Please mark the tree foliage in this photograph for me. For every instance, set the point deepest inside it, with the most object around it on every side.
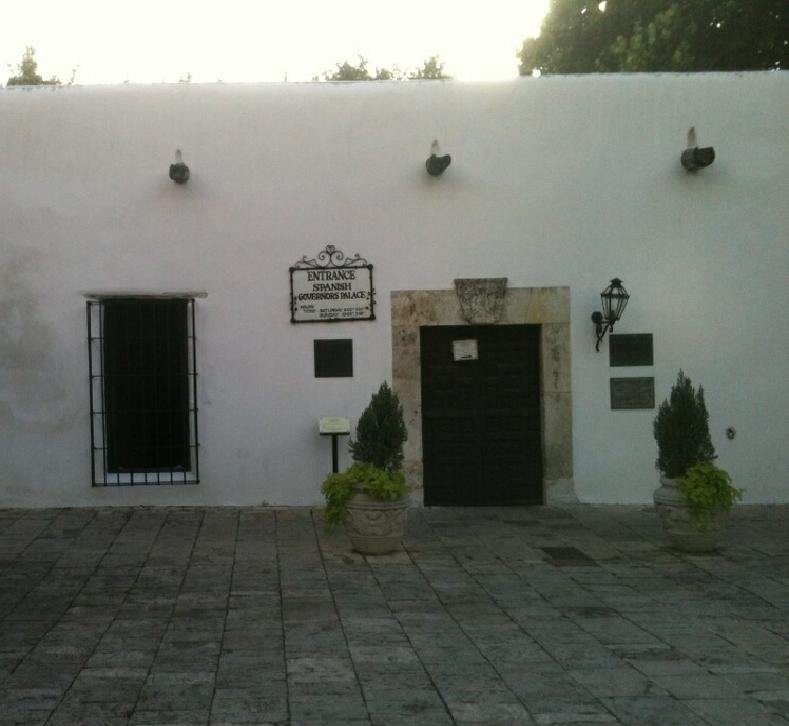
(579, 36)
(348, 72)
(707, 490)
(27, 72)
(432, 69)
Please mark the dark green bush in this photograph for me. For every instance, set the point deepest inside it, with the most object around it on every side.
(380, 433)
(682, 431)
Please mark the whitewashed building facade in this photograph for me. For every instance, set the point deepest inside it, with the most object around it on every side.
(557, 184)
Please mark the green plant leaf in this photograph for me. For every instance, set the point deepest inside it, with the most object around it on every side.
(707, 490)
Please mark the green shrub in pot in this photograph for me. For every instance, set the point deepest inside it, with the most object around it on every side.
(694, 496)
(371, 497)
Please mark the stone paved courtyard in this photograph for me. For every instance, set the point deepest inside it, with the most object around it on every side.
(487, 616)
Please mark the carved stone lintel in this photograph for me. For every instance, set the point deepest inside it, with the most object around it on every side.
(481, 299)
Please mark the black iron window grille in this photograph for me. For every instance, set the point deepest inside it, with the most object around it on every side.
(143, 391)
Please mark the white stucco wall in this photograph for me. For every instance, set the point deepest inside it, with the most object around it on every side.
(555, 181)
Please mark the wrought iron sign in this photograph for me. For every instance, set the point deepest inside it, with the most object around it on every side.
(331, 287)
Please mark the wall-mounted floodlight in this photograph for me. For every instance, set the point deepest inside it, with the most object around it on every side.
(695, 157)
(614, 300)
(436, 165)
(179, 172)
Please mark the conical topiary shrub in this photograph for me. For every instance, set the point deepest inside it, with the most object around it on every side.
(381, 432)
(682, 430)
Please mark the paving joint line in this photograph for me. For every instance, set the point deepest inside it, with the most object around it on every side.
(515, 622)
(462, 629)
(110, 622)
(177, 595)
(33, 587)
(282, 615)
(227, 612)
(337, 612)
(408, 638)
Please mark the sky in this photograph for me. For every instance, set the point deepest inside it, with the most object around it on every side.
(153, 41)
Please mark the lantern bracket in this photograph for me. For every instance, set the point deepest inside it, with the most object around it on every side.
(614, 300)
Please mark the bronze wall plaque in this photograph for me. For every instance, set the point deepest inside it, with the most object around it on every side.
(630, 393)
(333, 358)
(630, 350)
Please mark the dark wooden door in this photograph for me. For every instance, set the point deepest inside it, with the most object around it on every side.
(481, 435)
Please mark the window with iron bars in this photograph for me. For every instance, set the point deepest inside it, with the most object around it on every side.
(143, 391)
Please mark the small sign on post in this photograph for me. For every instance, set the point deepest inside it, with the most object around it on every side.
(334, 426)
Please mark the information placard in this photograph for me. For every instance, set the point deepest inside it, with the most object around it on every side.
(333, 425)
(343, 293)
(464, 350)
(331, 287)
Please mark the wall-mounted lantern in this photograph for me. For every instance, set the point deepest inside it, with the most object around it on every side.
(179, 172)
(695, 157)
(436, 165)
(614, 300)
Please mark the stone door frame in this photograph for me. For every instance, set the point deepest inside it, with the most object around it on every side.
(548, 307)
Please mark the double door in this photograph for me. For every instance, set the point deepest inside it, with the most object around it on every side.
(481, 421)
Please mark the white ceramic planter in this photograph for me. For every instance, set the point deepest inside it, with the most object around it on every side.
(678, 524)
(375, 526)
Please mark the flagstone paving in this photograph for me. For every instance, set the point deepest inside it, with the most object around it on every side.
(579, 615)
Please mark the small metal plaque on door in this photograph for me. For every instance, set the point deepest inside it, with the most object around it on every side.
(464, 350)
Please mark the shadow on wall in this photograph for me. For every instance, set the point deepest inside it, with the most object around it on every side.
(32, 389)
